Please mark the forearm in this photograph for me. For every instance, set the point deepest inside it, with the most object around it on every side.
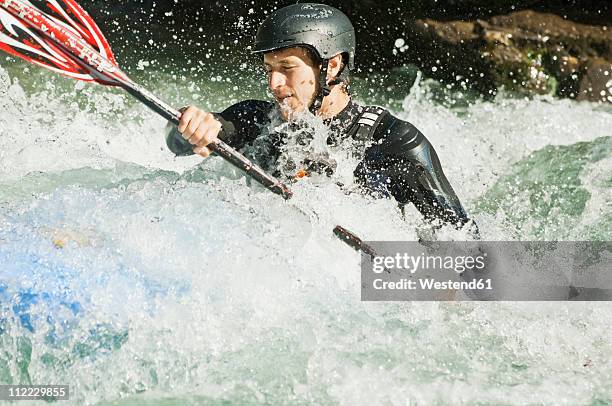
(419, 179)
(436, 206)
(440, 200)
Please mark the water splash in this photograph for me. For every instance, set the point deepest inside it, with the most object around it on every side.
(130, 274)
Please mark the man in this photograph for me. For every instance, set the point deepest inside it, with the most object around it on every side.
(308, 51)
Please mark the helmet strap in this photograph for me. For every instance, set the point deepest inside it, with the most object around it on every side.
(323, 88)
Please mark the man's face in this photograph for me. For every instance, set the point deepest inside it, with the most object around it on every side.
(292, 78)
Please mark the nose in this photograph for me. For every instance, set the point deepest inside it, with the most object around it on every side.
(276, 79)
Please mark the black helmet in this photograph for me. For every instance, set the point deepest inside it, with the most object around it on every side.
(324, 29)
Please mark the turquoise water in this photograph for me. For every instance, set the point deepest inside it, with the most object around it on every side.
(138, 278)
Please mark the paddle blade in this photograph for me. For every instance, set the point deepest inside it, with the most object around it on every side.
(72, 16)
(66, 40)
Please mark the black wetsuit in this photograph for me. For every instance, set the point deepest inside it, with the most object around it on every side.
(395, 158)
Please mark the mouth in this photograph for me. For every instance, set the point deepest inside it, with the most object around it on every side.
(282, 99)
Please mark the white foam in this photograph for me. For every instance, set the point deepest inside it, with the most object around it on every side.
(226, 291)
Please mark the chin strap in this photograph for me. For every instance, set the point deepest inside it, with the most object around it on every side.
(324, 87)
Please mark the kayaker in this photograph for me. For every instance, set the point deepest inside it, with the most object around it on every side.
(308, 52)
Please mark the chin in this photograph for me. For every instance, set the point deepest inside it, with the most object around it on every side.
(288, 110)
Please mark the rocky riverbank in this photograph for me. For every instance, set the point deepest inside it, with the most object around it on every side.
(524, 51)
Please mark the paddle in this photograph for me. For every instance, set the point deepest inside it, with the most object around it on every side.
(64, 39)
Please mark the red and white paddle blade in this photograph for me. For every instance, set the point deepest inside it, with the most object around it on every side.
(72, 16)
(37, 43)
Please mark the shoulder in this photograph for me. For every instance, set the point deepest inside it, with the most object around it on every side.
(396, 135)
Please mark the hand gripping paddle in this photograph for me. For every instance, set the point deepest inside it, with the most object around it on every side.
(62, 37)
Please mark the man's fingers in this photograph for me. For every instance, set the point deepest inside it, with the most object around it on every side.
(199, 129)
(186, 117)
(209, 137)
(196, 129)
(202, 151)
(210, 134)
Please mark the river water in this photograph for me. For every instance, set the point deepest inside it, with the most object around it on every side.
(137, 277)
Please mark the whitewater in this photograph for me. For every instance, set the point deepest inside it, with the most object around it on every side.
(134, 276)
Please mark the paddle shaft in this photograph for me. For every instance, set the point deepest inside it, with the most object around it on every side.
(350, 239)
(219, 147)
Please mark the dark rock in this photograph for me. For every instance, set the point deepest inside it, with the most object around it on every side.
(523, 51)
(596, 81)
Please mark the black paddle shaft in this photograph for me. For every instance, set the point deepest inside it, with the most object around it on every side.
(219, 147)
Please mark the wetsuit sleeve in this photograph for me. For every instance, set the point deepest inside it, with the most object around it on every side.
(240, 125)
(407, 164)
